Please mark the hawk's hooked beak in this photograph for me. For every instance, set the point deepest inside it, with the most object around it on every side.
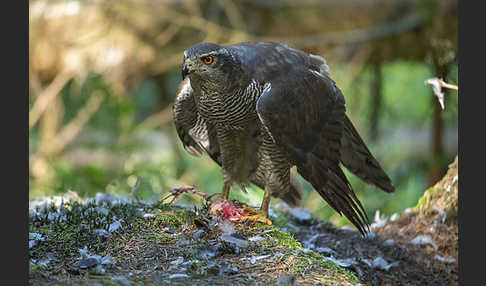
(187, 68)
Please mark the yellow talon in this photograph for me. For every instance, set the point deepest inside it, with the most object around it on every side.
(260, 216)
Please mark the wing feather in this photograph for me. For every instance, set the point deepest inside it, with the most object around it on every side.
(357, 158)
(197, 135)
(304, 113)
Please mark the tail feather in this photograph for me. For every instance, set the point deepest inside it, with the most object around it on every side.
(357, 158)
(331, 183)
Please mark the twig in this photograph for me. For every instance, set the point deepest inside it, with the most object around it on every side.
(442, 83)
(72, 129)
(201, 24)
(357, 63)
(178, 191)
(166, 36)
(354, 36)
(151, 122)
(234, 16)
(193, 7)
(34, 81)
(46, 96)
(326, 4)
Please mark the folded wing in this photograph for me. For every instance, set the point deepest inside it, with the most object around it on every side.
(304, 113)
(196, 134)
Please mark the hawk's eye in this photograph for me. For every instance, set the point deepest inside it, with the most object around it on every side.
(208, 60)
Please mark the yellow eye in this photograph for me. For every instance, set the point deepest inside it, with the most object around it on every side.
(208, 60)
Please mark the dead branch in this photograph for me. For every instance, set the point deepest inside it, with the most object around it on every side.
(352, 37)
(215, 30)
(162, 117)
(441, 83)
(72, 129)
(46, 96)
(174, 193)
(234, 16)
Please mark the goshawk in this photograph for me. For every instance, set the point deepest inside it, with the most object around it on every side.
(258, 109)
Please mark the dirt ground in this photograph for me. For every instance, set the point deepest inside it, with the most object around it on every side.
(414, 264)
(180, 247)
(160, 244)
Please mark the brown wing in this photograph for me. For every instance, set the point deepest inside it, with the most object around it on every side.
(304, 113)
(196, 134)
(357, 158)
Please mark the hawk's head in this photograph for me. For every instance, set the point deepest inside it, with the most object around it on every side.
(209, 63)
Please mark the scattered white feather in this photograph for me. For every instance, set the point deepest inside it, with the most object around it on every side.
(178, 275)
(178, 261)
(87, 259)
(424, 240)
(394, 217)
(102, 233)
(254, 259)
(115, 225)
(325, 250)
(408, 210)
(435, 83)
(34, 238)
(380, 263)
(389, 242)
(380, 220)
(445, 259)
(346, 262)
(105, 260)
(148, 216)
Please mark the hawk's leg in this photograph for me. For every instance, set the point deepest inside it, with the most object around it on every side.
(225, 191)
(276, 171)
(234, 159)
(260, 215)
(265, 203)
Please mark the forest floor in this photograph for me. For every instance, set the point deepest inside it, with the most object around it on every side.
(109, 240)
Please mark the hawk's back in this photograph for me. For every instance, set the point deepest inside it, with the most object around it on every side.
(265, 61)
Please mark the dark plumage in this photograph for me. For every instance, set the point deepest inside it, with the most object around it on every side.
(257, 109)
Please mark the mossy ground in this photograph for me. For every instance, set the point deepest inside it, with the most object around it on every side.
(156, 244)
(145, 249)
(444, 194)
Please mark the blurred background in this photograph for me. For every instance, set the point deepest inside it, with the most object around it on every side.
(102, 78)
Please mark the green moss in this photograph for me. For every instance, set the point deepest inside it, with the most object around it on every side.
(164, 239)
(75, 226)
(65, 238)
(35, 268)
(314, 262)
(276, 238)
(174, 218)
(104, 282)
(285, 239)
(423, 202)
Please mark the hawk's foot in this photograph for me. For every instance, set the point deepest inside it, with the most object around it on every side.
(256, 216)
